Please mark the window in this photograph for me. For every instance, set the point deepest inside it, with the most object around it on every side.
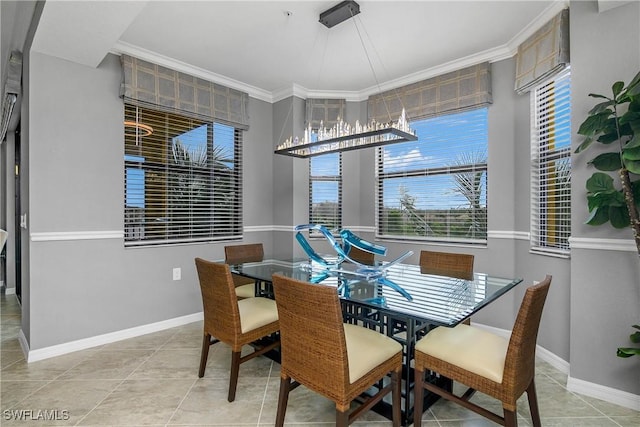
(183, 179)
(325, 190)
(435, 188)
(551, 165)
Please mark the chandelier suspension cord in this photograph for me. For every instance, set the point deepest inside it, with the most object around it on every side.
(375, 76)
(286, 32)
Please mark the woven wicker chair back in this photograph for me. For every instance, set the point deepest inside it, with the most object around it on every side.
(252, 252)
(520, 362)
(312, 340)
(361, 256)
(220, 304)
(447, 264)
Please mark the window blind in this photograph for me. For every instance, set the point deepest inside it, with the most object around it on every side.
(325, 190)
(551, 165)
(544, 54)
(183, 179)
(150, 85)
(460, 90)
(435, 188)
(327, 111)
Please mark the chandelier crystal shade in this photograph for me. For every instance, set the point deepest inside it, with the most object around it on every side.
(345, 137)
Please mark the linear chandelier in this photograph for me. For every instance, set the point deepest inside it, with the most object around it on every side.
(343, 136)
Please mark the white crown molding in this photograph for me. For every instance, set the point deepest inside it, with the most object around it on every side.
(122, 47)
(624, 245)
(608, 394)
(83, 344)
(76, 235)
(495, 54)
(545, 16)
(506, 234)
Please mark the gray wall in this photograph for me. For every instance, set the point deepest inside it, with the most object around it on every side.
(72, 138)
(83, 288)
(605, 284)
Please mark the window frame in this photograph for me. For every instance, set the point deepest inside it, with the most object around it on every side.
(198, 220)
(547, 125)
(426, 172)
(325, 178)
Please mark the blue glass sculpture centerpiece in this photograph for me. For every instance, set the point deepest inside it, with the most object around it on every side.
(327, 267)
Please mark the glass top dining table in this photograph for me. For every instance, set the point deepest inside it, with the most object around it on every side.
(399, 300)
(434, 299)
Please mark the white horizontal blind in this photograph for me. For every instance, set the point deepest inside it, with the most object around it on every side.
(435, 188)
(325, 190)
(183, 179)
(551, 165)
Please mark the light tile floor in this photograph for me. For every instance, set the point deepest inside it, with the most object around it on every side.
(152, 380)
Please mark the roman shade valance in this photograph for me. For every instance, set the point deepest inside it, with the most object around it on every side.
(161, 88)
(544, 54)
(456, 91)
(326, 110)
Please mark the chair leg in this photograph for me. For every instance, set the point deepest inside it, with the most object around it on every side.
(418, 399)
(396, 398)
(233, 380)
(510, 418)
(533, 404)
(283, 399)
(206, 343)
(342, 418)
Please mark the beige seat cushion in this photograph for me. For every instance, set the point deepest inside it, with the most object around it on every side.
(246, 291)
(468, 347)
(256, 312)
(367, 349)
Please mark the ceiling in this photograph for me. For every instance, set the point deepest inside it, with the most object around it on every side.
(273, 49)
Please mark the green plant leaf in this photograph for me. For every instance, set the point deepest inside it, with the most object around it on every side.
(585, 144)
(595, 95)
(629, 116)
(608, 137)
(633, 166)
(619, 216)
(633, 142)
(594, 124)
(601, 107)
(599, 182)
(598, 216)
(628, 352)
(607, 162)
(631, 153)
(635, 81)
(617, 88)
(635, 337)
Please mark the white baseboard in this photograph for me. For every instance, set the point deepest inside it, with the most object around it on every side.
(608, 394)
(83, 344)
(10, 291)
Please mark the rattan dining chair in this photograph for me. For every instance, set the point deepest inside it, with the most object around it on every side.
(485, 362)
(250, 252)
(447, 264)
(234, 322)
(362, 256)
(337, 360)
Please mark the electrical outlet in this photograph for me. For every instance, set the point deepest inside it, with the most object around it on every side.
(177, 273)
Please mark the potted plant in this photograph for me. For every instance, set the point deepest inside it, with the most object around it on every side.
(615, 123)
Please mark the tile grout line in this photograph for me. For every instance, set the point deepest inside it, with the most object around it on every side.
(264, 396)
(119, 384)
(181, 402)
